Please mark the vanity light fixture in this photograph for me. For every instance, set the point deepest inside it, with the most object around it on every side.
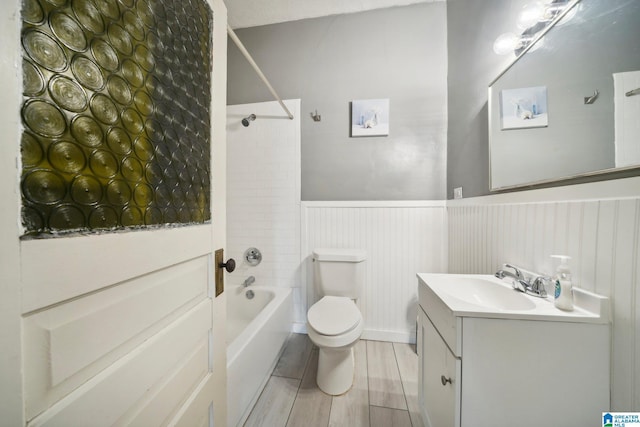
(505, 43)
(533, 18)
(511, 43)
(530, 14)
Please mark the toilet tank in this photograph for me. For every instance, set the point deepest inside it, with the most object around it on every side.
(339, 272)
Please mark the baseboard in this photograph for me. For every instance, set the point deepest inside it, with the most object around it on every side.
(299, 328)
(408, 337)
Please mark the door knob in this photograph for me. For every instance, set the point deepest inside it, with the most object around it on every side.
(444, 380)
(230, 265)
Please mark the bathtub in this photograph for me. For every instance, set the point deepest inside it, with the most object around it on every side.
(256, 332)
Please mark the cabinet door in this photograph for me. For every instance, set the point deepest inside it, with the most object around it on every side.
(437, 372)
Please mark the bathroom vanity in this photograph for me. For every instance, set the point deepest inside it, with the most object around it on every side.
(492, 356)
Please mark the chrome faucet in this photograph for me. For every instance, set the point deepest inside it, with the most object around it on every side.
(516, 275)
(248, 281)
(537, 287)
(520, 283)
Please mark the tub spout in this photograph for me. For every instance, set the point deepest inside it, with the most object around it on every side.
(248, 281)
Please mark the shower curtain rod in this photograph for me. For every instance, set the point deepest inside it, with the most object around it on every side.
(247, 55)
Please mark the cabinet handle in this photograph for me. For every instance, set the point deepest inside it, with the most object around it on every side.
(444, 380)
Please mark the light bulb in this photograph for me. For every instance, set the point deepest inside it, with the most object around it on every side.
(530, 15)
(505, 43)
(569, 16)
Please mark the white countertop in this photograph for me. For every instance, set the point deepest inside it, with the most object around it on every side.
(588, 307)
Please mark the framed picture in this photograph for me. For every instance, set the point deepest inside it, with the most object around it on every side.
(370, 117)
(524, 108)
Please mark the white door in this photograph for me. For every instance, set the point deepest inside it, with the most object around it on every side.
(118, 328)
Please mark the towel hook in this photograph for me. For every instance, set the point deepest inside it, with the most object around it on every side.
(316, 117)
(633, 92)
(588, 100)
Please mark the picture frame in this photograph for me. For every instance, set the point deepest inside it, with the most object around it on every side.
(523, 108)
(370, 117)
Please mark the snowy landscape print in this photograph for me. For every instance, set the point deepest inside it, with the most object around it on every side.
(524, 108)
(370, 117)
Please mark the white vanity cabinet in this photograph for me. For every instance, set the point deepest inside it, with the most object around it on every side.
(484, 367)
(438, 372)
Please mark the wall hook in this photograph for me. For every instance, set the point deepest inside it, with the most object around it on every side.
(316, 117)
(633, 92)
(588, 100)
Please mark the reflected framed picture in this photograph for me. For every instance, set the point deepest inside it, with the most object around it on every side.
(524, 108)
(370, 117)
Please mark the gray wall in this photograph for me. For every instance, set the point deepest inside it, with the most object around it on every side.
(397, 53)
(472, 28)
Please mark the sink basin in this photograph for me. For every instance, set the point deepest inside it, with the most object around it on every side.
(486, 293)
(451, 296)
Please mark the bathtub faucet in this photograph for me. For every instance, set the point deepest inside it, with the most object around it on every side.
(249, 281)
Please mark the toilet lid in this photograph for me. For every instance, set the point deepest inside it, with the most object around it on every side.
(333, 315)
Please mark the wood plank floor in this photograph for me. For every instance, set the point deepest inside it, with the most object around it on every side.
(384, 391)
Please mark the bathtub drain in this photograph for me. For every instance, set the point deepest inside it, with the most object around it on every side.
(249, 294)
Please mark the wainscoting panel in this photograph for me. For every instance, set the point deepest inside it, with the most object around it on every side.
(601, 234)
(401, 239)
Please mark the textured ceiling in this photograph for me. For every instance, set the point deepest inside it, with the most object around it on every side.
(252, 13)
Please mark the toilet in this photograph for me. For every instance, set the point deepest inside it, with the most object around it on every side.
(334, 323)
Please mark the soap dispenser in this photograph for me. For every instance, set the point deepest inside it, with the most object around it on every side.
(562, 282)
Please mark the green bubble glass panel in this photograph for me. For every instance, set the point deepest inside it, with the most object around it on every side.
(116, 115)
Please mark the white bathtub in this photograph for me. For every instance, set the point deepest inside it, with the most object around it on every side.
(256, 332)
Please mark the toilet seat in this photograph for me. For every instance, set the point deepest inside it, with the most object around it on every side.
(333, 316)
(328, 342)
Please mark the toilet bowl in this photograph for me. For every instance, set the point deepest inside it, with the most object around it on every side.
(335, 325)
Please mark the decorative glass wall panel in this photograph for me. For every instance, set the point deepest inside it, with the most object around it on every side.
(116, 114)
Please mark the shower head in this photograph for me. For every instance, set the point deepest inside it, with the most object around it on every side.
(246, 120)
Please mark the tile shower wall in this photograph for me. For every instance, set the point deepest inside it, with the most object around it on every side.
(263, 194)
(600, 231)
(401, 239)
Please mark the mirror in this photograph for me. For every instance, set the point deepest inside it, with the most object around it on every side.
(568, 105)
